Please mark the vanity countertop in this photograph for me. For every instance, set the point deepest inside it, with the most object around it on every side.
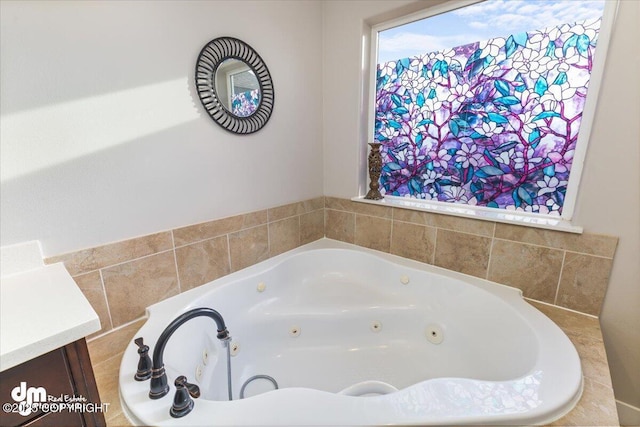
(40, 310)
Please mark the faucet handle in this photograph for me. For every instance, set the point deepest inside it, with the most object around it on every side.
(193, 389)
(182, 402)
(144, 364)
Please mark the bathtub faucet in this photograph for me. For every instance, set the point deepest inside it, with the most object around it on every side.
(159, 386)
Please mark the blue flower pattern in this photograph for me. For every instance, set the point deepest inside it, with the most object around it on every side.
(492, 123)
(244, 104)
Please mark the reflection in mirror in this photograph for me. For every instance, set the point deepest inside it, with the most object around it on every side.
(237, 87)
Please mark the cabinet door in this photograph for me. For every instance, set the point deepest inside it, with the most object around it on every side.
(62, 373)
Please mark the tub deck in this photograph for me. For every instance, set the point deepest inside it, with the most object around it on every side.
(595, 408)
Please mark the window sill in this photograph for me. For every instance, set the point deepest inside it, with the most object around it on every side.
(476, 212)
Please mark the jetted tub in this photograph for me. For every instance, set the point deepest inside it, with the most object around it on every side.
(357, 337)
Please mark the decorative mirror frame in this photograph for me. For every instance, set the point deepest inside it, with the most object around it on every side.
(211, 56)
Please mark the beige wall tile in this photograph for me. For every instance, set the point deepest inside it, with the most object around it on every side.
(584, 282)
(99, 257)
(284, 235)
(464, 225)
(414, 217)
(314, 204)
(107, 382)
(597, 407)
(91, 286)
(340, 225)
(106, 355)
(466, 253)
(337, 203)
(117, 418)
(373, 232)
(311, 226)
(299, 208)
(113, 343)
(248, 247)
(202, 262)
(218, 227)
(358, 207)
(594, 244)
(285, 211)
(593, 358)
(574, 324)
(133, 286)
(534, 269)
(413, 241)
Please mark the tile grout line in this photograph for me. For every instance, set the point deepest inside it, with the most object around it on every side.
(561, 307)
(229, 253)
(175, 262)
(391, 231)
(552, 248)
(493, 241)
(118, 328)
(239, 229)
(268, 239)
(435, 247)
(222, 234)
(106, 299)
(324, 222)
(127, 261)
(555, 299)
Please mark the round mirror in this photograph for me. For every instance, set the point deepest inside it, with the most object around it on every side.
(234, 85)
(237, 87)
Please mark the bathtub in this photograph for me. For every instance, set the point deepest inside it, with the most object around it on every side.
(353, 336)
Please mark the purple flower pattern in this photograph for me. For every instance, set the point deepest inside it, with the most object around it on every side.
(244, 104)
(491, 123)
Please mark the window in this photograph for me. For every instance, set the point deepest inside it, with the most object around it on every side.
(486, 105)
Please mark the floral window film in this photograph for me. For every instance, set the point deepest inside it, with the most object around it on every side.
(244, 104)
(492, 122)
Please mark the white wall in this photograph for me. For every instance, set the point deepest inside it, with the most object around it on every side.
(612, 170)
(103, 138)
(612, 166)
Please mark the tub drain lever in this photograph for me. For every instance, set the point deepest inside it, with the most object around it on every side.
(182, 402)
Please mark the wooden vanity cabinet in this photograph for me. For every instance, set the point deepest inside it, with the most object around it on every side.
(66, 374)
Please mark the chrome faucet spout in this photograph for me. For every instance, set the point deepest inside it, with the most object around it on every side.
(159, 385)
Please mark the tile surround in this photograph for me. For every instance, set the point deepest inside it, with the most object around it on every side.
(413, 241)
(122, 278)
(584, 282)
(567, 270)
(533, 269)
(93, 289)
(202, 262)
(373, 232)
(135, 285)
(284, 235)
(463, 252)
(96, 258)
(312, 226)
